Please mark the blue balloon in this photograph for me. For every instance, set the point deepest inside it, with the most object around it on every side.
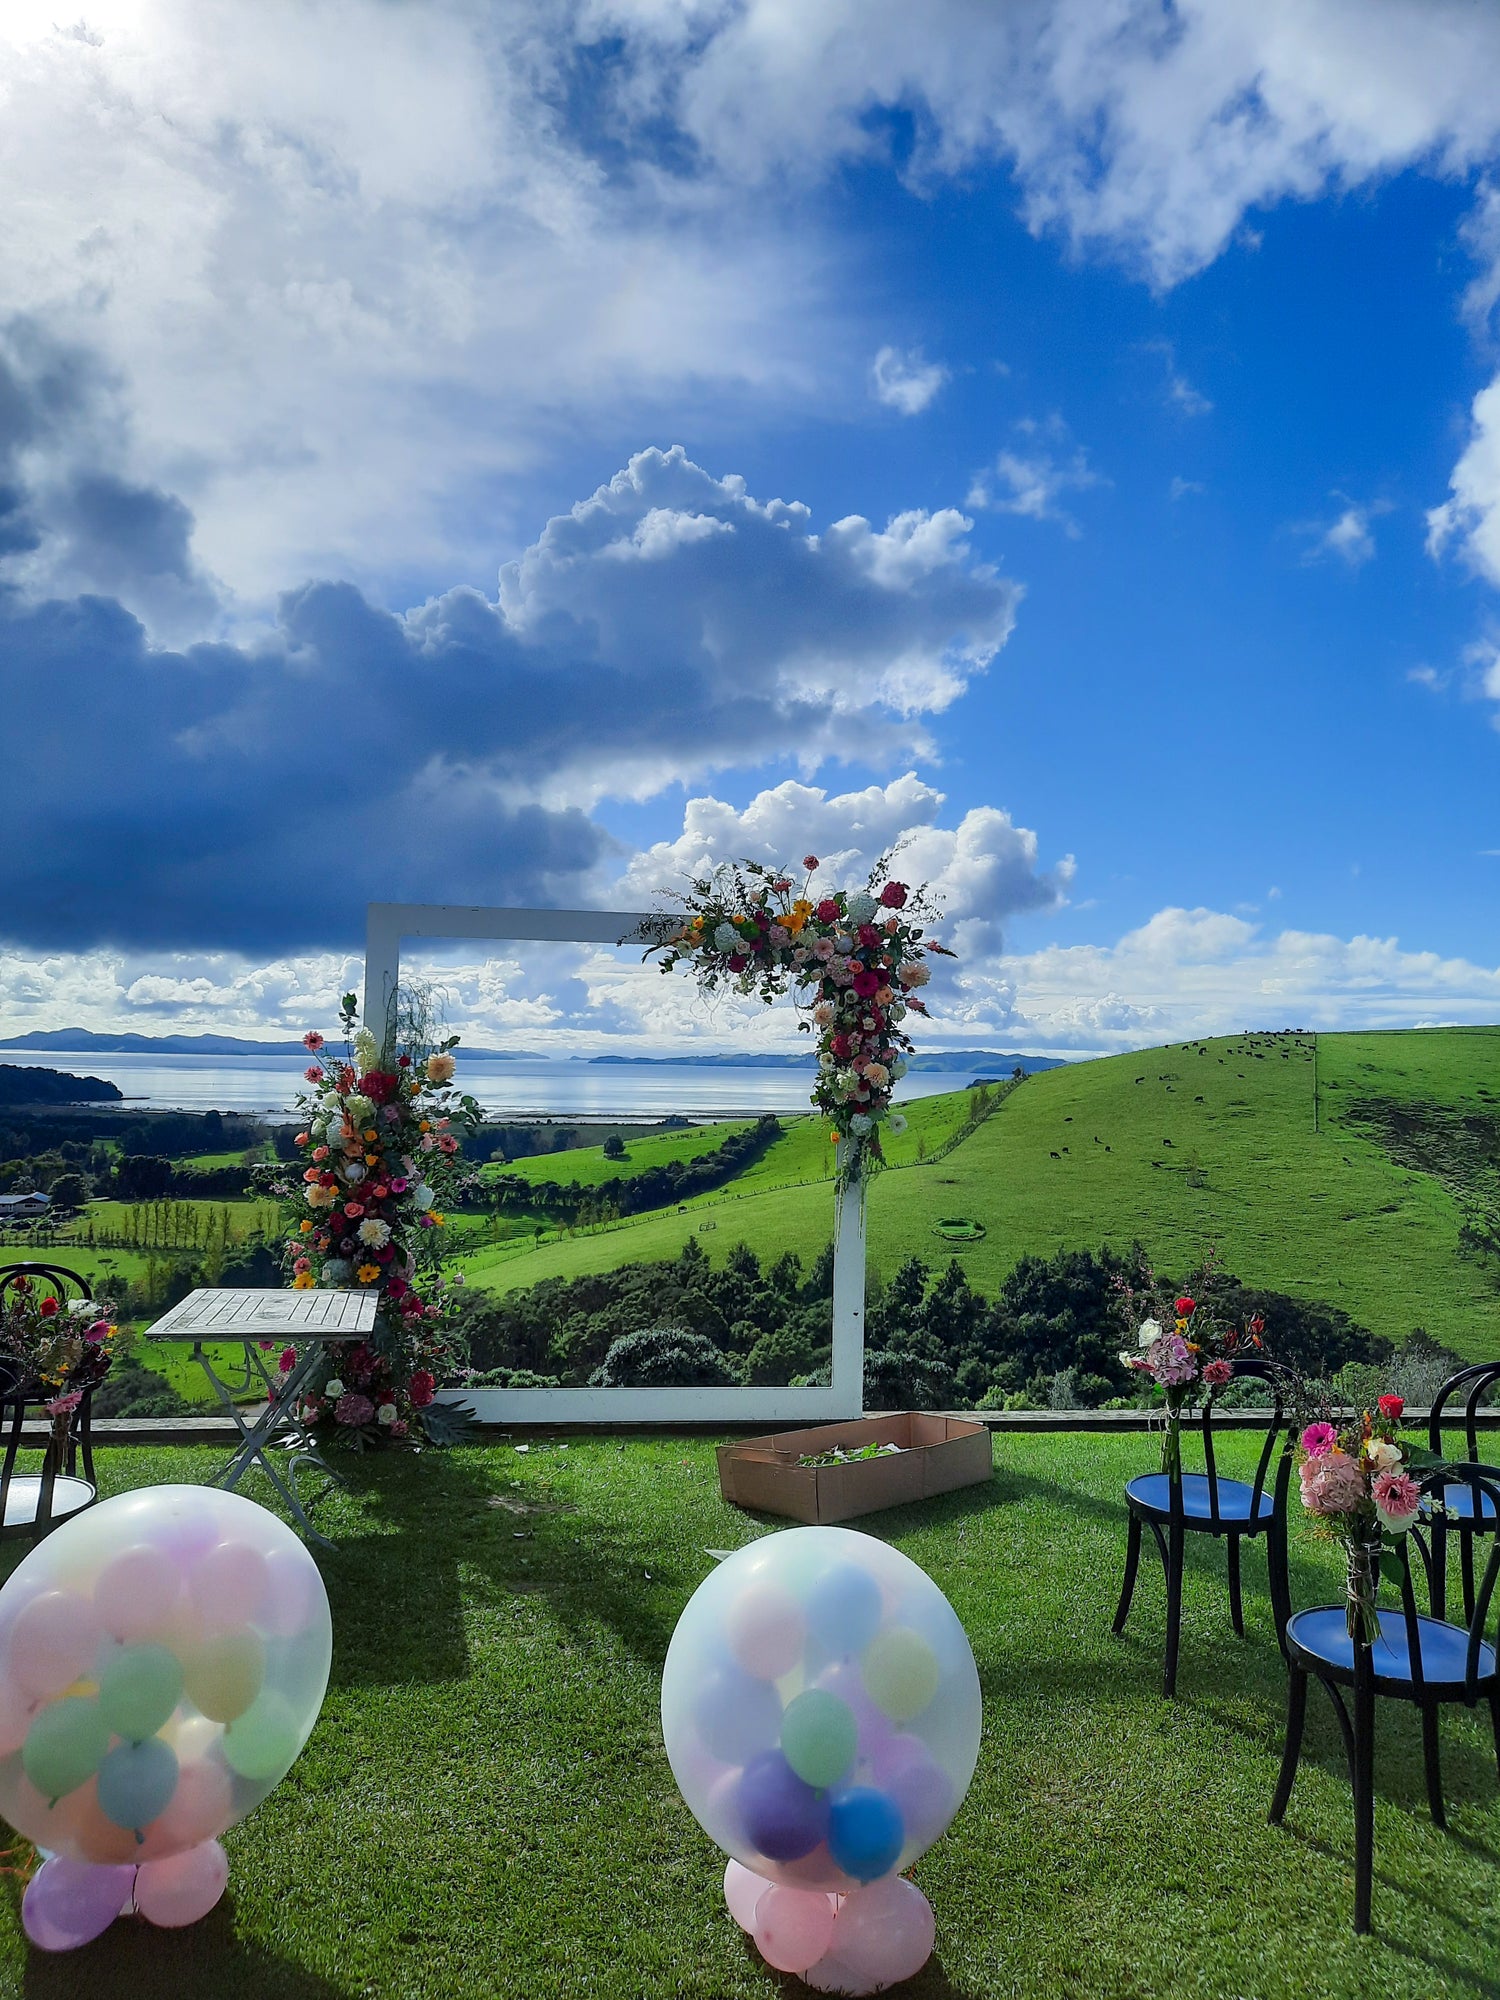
(136, 1782)
(844, 1610)
(736, 1715)
(865, 1832)
(783, 1818)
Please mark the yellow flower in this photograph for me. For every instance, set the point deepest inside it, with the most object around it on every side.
(438, 1217)
(1181, 1324)
(368, 1273)
(794, 921)
(303, 1282)
(372, 1159)
(426, 1127)
(802, 908)
(371, 1135)
(305, 1227)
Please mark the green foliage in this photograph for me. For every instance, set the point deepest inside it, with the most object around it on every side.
(662, 1357)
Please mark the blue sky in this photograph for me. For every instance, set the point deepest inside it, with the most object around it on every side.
(1127, 373)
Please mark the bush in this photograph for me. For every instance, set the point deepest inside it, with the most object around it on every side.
(129, 1390)
(902, 1379)
(663, 1357)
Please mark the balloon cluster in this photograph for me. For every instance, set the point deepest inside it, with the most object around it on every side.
(163, 1659)
(821, 1712)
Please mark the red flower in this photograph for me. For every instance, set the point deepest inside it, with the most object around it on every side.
(346, 1078)
(312, 1040)
(313, 1073)
(828, 911)
(47, 1308)
(868, 934)
(403, 1062)
(1217, 1372)
(893, 895)
(379, 1085)
(866, 984)
(738, 962)
(809, 861)
(839, 1046)
(421, 1388)
(1391, 1407)
(1186, 1308)
(1257, 1324)
(288, 1360)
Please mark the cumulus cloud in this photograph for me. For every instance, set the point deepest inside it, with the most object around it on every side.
(1470, 516)
(1032, 479)
(1347, 536)
(905, 381)
(258, 795)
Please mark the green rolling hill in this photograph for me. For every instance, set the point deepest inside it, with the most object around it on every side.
(1363, 1169)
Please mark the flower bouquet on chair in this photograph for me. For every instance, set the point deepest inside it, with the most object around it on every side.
(381, 1138)
(53, 1356)
(1185, 1347)
(1359, 1485)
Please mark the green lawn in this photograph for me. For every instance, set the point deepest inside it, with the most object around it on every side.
(1179, 1148)
(588, 1166)
(485, 1808)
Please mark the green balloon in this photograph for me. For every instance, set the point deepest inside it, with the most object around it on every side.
(900, 1672)
(818, 1737)
(263, 1742)
(64, 1746)
(139, 1689)
(225, 1674)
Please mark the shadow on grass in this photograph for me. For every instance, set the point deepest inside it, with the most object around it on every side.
(206, 1961)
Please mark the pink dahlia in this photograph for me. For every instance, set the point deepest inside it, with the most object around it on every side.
(1217, 1372)
(353, 1409)
(1397, 1497)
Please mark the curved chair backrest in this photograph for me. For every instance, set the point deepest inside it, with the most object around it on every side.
(1270, 1373)
(1484, 1484)
(51, 1278)
(1471, 1384)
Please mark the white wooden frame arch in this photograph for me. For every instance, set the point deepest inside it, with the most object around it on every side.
(387, 925)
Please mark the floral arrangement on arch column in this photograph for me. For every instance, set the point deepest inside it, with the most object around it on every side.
(381, 1135)
(855, 962)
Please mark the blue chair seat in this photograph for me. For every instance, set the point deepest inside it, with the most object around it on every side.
(1458, 1504)
(1324, 1634)
(1153, 1490)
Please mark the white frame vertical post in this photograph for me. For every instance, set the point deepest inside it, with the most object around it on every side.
(387, 925)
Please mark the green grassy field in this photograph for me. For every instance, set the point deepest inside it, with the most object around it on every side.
(588, 1166)
(1215, 1142)
(485, 1812)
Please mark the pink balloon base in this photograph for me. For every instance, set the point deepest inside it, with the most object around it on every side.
(70, 1903)
(873, 1938)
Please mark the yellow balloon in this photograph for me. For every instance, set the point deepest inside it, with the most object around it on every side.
(224, 1674)
(900, 1673)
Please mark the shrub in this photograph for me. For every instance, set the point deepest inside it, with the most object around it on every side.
(130, 1390)
(663, 1357)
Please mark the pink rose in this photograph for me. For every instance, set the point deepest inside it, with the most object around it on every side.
(320, 1152)
(1319, 1439)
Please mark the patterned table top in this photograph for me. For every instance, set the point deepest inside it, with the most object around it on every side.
(220, 1313)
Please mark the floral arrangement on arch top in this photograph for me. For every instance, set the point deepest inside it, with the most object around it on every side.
(857, 960)
(382, 1135)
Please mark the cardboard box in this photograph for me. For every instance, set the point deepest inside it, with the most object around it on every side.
(937, 1454)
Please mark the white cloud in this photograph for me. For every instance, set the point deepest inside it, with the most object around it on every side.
(1180, 488)
(1347, 536)
(1178, 390)
(905, 381)
(1032, 480)
(1471, 514)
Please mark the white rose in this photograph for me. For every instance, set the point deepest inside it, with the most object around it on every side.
(1384, 1457)
(361, 1110)
(425, 1196)
(386, 1414)
(1149, 1331)
(333, 1388)
(896, 1122)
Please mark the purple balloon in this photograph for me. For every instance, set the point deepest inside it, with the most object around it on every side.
(736, 1714)
(919, 1785)
(70, 1903)
(783, 1818)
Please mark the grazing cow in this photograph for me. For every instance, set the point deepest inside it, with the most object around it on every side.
(1057, 1156)
(1166, 1142)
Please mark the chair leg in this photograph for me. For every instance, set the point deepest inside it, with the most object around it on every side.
(1296, 1716)
(1495, 1724)
(1236, 1604)
(1430, 1759)
(1174, 1606)
(1132, 1564)
(1466, 1560)
(1364, 1786)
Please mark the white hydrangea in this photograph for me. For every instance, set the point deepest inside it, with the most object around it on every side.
(862, 908)
(361, 1110)
(727, 938)
(425, 1196)
(337, 1271)
(843, 942)
(898, 1067)
(860, 1124)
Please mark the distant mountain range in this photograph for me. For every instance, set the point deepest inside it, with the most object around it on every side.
(84, 1041)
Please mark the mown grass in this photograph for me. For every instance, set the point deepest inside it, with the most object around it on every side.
(1203, 1143)
(485, 1809)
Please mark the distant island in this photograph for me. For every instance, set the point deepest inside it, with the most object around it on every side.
(85, 1041)
(23, 1084)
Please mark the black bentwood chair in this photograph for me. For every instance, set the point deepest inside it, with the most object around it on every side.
(1462, 1514)
(1416, 1659)
(34, 1503)
(1176, 1504)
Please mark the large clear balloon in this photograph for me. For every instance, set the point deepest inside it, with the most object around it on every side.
(821, 1712)
(163, 1659)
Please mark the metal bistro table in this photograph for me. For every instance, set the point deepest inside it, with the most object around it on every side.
(305, 1320)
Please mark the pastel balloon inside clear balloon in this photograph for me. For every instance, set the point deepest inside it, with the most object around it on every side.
(155, 1654)
(821, 1713)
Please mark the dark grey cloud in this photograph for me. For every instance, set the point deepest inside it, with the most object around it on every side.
(256, 796)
